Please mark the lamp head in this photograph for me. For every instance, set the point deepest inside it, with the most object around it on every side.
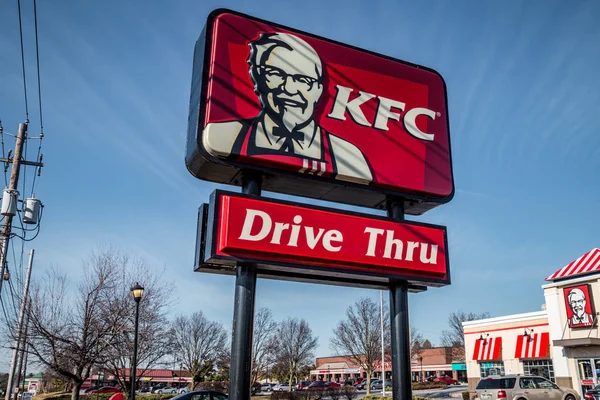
(137, 292)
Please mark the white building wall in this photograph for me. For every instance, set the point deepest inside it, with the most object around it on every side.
(556, 320)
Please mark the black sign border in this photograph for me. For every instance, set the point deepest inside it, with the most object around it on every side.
(204, 45)
(206, 259)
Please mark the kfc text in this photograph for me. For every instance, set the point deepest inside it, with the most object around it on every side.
(342, 103)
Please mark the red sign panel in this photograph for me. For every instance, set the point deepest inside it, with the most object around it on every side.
(579, 306)
(339, 123)
(323, 242)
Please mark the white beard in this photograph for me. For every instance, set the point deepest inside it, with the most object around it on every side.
(292, 117)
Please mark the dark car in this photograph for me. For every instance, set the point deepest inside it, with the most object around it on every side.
(106, 389)
(302, 385)
(317, 385)
(201, 395)
(593, 394)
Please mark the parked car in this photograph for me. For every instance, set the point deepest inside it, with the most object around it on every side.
(183, 390)
(91, 388)
(302, 385)
(266, 387)
(281, 387)
(521, 387)
(166, 390)
(593, 394)
(106, 389)
(377, 384)
(201, 395)
(157, 386)
(446, 379)
(145, 389)
(322, 385)
(361, 384)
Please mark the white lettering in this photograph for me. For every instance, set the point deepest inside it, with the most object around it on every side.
(279, 228)
(410, 250)
(432, 257)
(249, 223)
(311, 239)
(342, 103)
(293, 242)
(390, 242)
(332, 236)
(373, 233)
(410, 123)
(384, 112)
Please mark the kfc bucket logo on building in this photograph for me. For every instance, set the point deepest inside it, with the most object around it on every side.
(271, 98)
(281, 233)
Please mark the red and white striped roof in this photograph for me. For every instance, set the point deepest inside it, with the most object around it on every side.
(587, 263)
(535, 345)
(487, 349)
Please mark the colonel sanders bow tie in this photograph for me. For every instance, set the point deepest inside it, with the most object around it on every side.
(290, 139)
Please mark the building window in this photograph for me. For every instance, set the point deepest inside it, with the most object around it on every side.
(493, 368)
(542, 368)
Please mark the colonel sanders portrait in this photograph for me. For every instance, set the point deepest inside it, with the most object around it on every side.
(288, 79)
(577, 301)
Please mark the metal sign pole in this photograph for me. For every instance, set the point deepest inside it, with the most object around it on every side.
(401, 382)
(243, 314)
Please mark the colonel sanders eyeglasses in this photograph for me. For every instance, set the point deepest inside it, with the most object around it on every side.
(277, 77)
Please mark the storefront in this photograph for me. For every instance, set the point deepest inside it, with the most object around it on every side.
(560, 343)
(427, 363)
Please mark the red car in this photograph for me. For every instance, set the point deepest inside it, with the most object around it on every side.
(446, 379)
(106, 389)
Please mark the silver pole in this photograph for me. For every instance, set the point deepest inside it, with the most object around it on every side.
(382, 343)
(13, 363)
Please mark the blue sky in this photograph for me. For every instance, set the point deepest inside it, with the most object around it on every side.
(523, 93)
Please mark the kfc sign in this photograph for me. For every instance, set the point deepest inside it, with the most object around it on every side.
(579, 306)
(302, 241)
(322, 119)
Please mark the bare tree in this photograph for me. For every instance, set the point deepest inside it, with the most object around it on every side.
(262, 345)
(294, 346)
(200, 343)
(71, 334)
(359, 335)
(455, 336)
(155, 339)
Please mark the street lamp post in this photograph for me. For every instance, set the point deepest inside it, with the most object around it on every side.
(421, 359)
(137, 291)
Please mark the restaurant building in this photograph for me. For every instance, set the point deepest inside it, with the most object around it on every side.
(561, 342)
(434, 362)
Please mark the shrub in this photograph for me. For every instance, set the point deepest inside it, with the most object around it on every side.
(336, 393)
(429, 385)
(349, 392)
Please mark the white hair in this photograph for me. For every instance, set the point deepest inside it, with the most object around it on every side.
(261, 48)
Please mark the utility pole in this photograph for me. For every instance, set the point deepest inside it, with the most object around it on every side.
(13, 363)
(23, 358)
(13, 184)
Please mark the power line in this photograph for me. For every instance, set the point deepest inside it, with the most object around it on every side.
(23, 63)
(37, 56)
